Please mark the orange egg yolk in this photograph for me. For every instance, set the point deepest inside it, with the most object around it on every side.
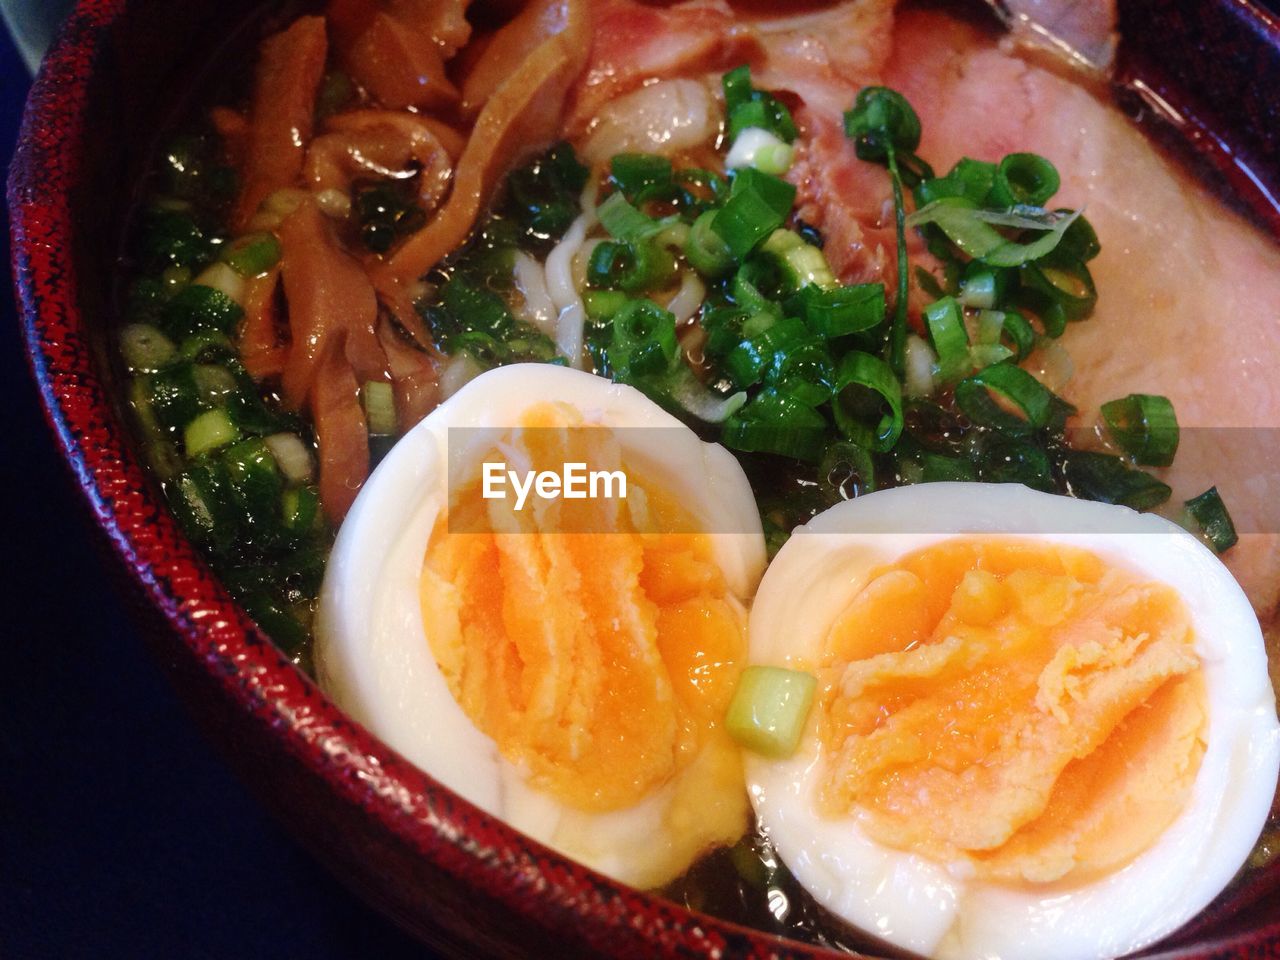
(1020, 706)
(600, 661)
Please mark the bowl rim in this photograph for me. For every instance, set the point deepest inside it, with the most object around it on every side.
(286, 706)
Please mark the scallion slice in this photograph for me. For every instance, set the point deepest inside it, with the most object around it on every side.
(1020, 333)
(777, 423)
(1107, 479)
(636, 172)
(769, 709)
(706, 251)
(803, 264)
(252, 255)
(969, 178)
(145, 348)
(983, 286)
(762, 149)
(209, 431)
(603, 304)
(972, 230)
(868, 401)
(624, 221)
(292, 456)
(844, 310)
(379, 401)
(1145, 427)
(945, 322)
(758, 204)
(1024, 178)
(1210, 513)
(1018, 389)
(644, 340)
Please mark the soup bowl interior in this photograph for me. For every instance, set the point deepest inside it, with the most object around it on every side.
(120, 73)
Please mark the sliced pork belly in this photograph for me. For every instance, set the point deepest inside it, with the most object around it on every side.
(1188, 292)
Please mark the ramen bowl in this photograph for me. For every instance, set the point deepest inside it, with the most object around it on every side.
(461, 880)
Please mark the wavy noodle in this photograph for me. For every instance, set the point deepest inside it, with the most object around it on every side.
(686, 301)
(531, 280)
(562, 283)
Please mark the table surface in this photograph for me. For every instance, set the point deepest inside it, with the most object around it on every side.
(156, 851)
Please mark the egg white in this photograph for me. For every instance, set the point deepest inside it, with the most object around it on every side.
(372, 653)
(923, 906)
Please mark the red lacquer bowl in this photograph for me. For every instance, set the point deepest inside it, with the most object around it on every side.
(446, 871)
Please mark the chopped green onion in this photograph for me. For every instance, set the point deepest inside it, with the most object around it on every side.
(208, 346)
(624, 221)
(769, 709)
(755, 147)
(1102, 477)
(201, 500)
(1145, 426)
(918, 368)
(971, 179)
(209, 431)
(802, 263)
(636, 172)
(172, 396)
(145, 348)
(745, 364)
(292, 456)
(196, 308)
(1020, 332)
(1080, 242)
(300, 510)
(252, 255)
(706, 251)
(805, 372)
(644, 341)
(1024, 179)
(1014, 386)
(881, 122)
(603, 304)
(255, 483)
(972, 230)
(1006, 459)
(213, 383)
(988, 327)
(1210, 513)
(379, 400)
(758, 204)
(635, 267)
(983, 286)
(776, 423)
(867, 391)
(982, 355)
(1057, 294)
(748, 107)
(945, 322)
(843, 310)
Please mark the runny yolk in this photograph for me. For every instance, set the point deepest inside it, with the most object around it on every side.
(1019, 706)
(600, 661)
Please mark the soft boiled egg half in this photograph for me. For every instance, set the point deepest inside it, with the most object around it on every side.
(1042, 727)
(563, 663)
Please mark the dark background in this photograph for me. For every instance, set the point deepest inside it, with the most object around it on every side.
(121, 833)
